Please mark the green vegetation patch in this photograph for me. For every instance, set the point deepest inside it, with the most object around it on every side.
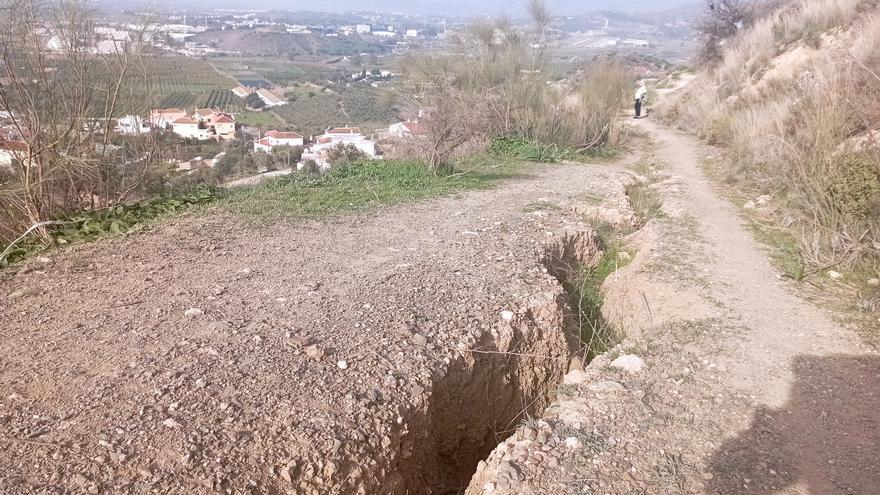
(361, 186)
(855, 188)
(584, 289)
(115, 220)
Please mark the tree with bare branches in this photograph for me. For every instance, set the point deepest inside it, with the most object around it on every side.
(59, 94)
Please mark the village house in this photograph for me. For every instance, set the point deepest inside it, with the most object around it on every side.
(320, 149)
(132, 125)
(11, 151)
(241, 91)
(199, 162)
(277, 138)
(269, 98)
(190, 128)
(202, 124)
(164, 117)
(408, 129)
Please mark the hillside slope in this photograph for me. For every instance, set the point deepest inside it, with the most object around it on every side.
(794, 103)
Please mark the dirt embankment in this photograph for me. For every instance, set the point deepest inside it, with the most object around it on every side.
(379, 353)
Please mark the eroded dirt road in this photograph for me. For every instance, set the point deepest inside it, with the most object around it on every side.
(743, 387)
(210, 356)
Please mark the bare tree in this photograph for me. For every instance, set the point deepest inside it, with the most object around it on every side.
(722, 19)
(450, 116)
(59, 92)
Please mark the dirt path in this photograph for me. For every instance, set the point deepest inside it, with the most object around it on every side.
(814, 382)
(214, 356)
(745, 389)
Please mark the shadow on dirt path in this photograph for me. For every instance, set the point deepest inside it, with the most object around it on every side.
(826, 439)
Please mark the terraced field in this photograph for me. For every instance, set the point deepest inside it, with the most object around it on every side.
(178, 82)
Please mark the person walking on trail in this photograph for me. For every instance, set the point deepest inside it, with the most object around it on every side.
(641, 98)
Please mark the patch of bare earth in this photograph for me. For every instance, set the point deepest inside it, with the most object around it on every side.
(375, 353)
(728, 383)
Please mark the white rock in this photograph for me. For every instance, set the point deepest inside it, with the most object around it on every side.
(193, 312)
(342, 364)
(170, 423)
(629, 362)
(835, 275)
(874, 282)
(749, 205)
(507, 315)
(573, 443)
(575, 377)
(763, 200)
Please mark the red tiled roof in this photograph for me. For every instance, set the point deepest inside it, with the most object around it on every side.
(223, 120)
(185, 120)
(264, 142)
(283, 135)
(205, 111)
(13, 145)
(414, 127)
(325, 140)
(344, 130)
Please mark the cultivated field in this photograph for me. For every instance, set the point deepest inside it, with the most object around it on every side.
(178, 82)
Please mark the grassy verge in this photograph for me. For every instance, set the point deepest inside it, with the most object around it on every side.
(263, 120)
(364, 186)
(356, 187)
(584, 289)
(84, 227)
(524, 149)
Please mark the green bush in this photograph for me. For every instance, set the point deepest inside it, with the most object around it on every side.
(855, 188)
(516, 147)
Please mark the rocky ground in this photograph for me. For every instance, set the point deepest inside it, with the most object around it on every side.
(391, 352)
(370, 353)
(728, 383)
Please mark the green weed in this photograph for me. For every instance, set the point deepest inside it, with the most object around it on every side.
(362, 186)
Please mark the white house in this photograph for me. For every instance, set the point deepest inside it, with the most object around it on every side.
(269, 98)
(189, 128)
(132, 125)
(334, 137)
(12, 150)
(241, 91)
(164, 117)
(412, 33)
(363, 28)
(406, 129)
(277, 138)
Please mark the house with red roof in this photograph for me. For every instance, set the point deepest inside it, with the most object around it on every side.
(407, 129)
(277, 138)
(163, 117)
(11, 150)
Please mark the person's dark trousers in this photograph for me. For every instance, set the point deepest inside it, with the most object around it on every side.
(638, 108)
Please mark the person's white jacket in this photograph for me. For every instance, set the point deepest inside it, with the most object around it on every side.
(641, 93)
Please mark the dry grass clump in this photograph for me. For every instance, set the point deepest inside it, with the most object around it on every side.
(795, 103)
(494, 84)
